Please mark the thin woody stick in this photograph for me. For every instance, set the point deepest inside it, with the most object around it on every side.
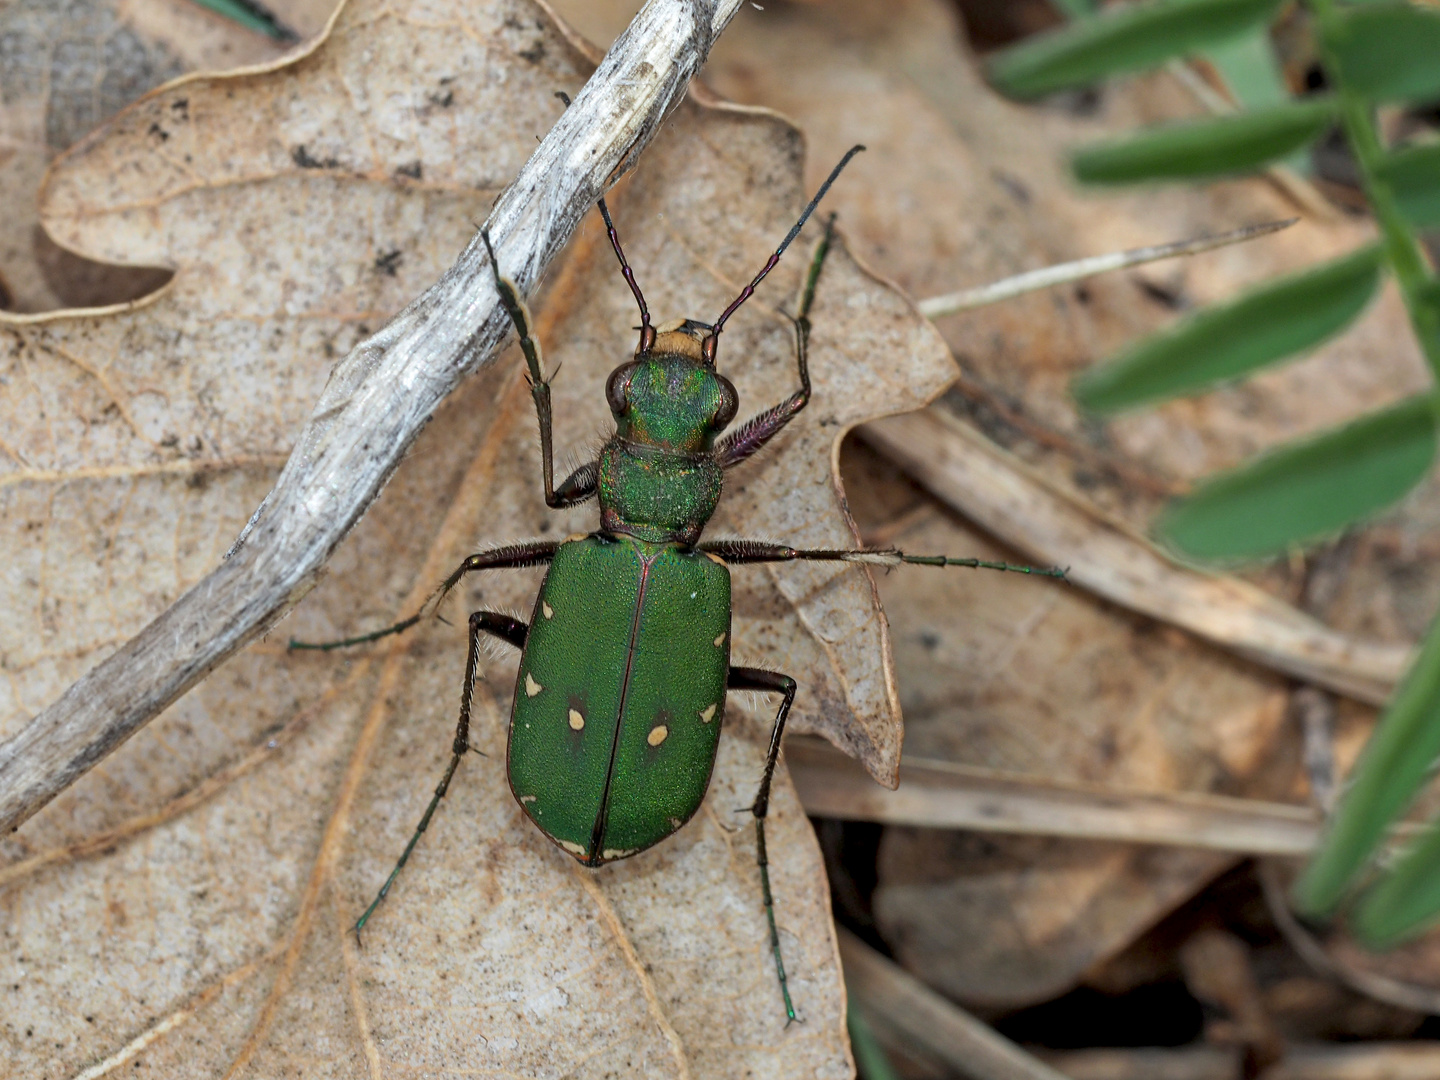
(1061, 273)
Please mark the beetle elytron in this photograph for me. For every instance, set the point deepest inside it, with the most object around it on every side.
(611, 744)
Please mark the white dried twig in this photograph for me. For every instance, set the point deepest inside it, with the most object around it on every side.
(1062, 273)
(377, 400)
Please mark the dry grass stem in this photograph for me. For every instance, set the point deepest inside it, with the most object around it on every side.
(944, 795)
(1002, 495)
(905, 1004)
(1063, 273)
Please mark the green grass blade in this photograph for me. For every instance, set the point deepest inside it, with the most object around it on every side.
(870, 1060)
(1230, 340)
(1306, 490)
(1205, 148)
(1414, 178)
(1120, 39)
(1389, 52)
(1406, 901)
(1391, 769)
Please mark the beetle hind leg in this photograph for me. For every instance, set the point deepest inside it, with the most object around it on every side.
(508, 629)
(742, 678)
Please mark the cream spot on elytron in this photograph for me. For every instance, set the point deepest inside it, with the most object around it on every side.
(527, 798)
(657, 734)
(708, 714)
(573, 848)
(531, 686)
(720, 640)
(547, 609)
(616, 853)
(576, 720)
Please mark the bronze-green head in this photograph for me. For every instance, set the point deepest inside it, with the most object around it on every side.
(668, 397)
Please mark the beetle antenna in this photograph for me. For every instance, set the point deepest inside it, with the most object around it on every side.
(711, 341)
(647, 332)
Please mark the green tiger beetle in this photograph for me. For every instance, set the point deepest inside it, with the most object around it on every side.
(625, 662)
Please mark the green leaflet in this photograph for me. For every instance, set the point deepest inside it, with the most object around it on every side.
(1197, 149)
(870, 1060)
(1233, 339)
(1389, 52)
(1306, 490)
(1394, 764)
(1249, 69)
(1121, 39)
(1414, 178)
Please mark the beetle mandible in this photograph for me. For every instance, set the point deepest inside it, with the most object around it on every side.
(611, 745)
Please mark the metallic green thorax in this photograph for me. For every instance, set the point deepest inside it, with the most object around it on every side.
(658, 478)
(621, 694)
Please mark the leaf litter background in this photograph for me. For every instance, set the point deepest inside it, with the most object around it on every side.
(197, 886)
(958, 188)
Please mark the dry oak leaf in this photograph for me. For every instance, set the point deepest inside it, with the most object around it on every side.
(67, 67)
(187, 903)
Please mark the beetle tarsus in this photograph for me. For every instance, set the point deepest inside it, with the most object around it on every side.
(773, 682)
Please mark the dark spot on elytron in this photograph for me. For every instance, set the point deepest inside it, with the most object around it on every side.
(412, 170)
(534, 54)
(302, 157)
(577, 703)
(389, 262)
(156, 129)
(663, 718)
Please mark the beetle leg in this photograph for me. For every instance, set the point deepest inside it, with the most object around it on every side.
(743, 678)
(758, 551)
(508, 629)
(511, 557)
(750, 436)
(573, 490)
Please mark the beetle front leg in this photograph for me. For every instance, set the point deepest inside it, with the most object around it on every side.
(750, 436)
(742, 678)
(581, 483)
(511, 557)
(507, 629)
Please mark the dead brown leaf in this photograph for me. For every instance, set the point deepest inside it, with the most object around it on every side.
(186, 904)
(67, 68)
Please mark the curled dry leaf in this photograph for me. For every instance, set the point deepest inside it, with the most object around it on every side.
(187, 902)
(67, 68)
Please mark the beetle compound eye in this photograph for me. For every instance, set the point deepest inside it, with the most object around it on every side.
(729, 404)
(616, 388)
